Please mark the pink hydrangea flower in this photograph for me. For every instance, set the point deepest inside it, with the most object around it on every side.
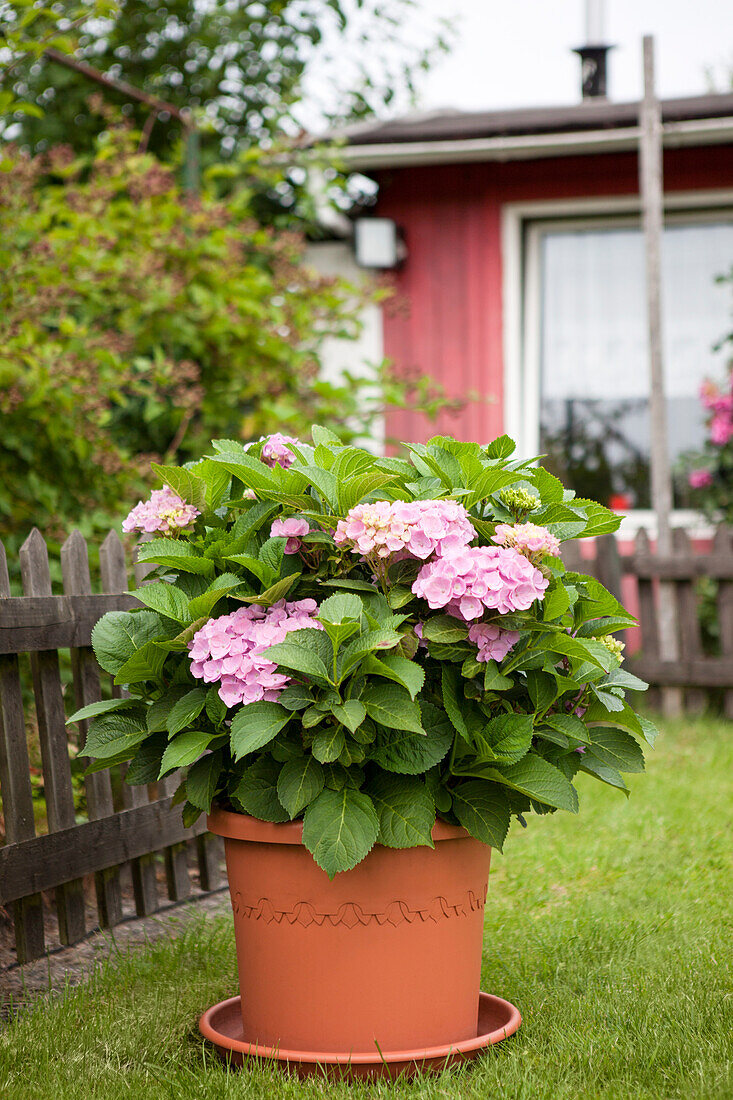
(480, 577)
(493, 642)
(700, 479)
(275, 450)
(290, 528)
(528, 538)
(228, 650)
(165, 512)
(416, 528)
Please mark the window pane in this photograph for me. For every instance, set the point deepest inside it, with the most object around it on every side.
(594, 415)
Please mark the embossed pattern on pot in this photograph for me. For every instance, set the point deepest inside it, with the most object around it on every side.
(351, 913)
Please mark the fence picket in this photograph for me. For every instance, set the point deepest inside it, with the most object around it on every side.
(113, 571)
(15, 786)
(77, 582)
(571, 556)
(690, 642)
(647, 610)
(52, 734)
(723, 545)
(176, 856)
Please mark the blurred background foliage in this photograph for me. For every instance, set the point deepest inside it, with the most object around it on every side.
(144, 311)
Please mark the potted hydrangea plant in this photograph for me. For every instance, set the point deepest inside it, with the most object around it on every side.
(364, 668)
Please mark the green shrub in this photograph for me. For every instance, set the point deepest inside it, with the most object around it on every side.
(136, 322)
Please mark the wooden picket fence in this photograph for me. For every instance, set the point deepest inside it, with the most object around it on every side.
(133, 832)
(143, 833)
(695, 673)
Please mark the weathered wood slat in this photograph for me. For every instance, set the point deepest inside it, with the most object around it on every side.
(57, 788)
(647, 610)
(723, 546)
(77, 582)
(143, 869)
(31, 623)
(707, 672)
(176, 857)
(688, 620)
(209, 853)
(678, 568)
(176, 871)
(571, 556)
(15, 787)
(49, 861)
(113, 572)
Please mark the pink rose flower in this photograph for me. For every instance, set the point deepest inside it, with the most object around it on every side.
(700, 479)
(721, 428)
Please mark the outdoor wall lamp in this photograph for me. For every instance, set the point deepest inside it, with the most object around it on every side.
(377, 243)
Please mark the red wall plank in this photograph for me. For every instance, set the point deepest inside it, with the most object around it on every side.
(446, 319)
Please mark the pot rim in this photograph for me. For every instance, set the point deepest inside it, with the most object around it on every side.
(236, 826)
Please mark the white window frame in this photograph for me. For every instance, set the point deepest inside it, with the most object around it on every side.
(522, 227)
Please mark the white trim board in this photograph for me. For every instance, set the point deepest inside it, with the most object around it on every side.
(395, 154)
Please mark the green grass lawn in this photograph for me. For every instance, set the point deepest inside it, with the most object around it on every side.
(610, 931)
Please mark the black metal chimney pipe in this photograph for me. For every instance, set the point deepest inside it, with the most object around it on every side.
(594, 70)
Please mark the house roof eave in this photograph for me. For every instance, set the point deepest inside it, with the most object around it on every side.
(365, 158)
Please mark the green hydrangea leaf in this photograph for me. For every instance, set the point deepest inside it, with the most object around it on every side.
(483, 809)
(185, 711)
(391, 706)
(409, 753)
(120, 634)
(299, 782)
(405, 809)
(255, 725)
(184, 749)
(202, 780)
(340, 828)
(255, 792)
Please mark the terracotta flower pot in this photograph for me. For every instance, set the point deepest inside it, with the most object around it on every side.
(388, 953)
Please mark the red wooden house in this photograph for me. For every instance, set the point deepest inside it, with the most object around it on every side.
(522, 277)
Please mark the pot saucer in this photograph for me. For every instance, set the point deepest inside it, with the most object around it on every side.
(222, 1025)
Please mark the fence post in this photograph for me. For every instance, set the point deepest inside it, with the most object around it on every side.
(77, 582)
(647, 611)
(15, 786)
(688, 622)
(722, 545)
(52, 733)
(113, 571)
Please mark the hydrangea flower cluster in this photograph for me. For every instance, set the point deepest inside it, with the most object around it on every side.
(613, 645)
(229, 649)
(415, 528)
(527, 538)
(275, 450)
(291, 529)
(519, 500)
(164, 511)
(480, 577)
(493, 642)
